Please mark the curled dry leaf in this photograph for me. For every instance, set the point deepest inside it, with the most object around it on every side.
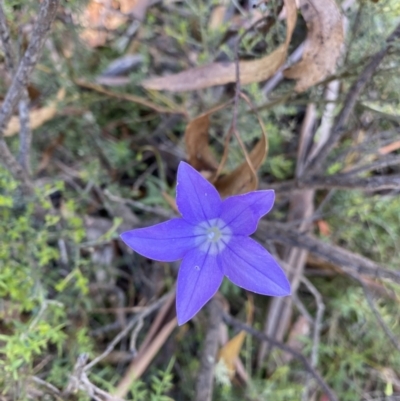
(323, 45)
(196, 140)
(36, 117)
(229, 353)
(222, 73)
(243, 178)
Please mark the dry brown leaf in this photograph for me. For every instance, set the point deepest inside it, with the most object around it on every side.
(36, 117)
(223, 73)
(229, 353)
(323, 45)
(243, 179)
(101, 16)
(240, 180)
(196, 141)
(197, 147)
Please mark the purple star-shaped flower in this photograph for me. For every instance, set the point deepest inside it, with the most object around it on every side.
(212, 238)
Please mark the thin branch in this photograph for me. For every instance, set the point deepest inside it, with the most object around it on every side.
(205, 378)
(19, 174)
(301, 208)
(134, 336)
(262, 337)
(8, 158)
(276, 79)
(341, 181)
(6, 41)
(25, 130)
(382, 162)
(351, 99)
(22, 74)
(316, 331)
(348, 261)
(49, 387)
(151, 308)
(138, 205)
(395, 341)
(47, 13)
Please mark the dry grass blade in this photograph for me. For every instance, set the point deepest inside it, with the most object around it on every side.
(140, 364)
(324, 41)
(159, 332)
(223, 73)
(127, 97)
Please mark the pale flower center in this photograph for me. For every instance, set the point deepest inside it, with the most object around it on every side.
(212, 236)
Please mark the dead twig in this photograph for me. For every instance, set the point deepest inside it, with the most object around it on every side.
(263, 337)
(151, 308)
(205, 378)
(395, 341)
(316, 332)
(47, 13)
(341, 181)
(138, 205)
(79, 381)
(49, 387)
(25, 133)
(347, 261)
(315, 164)
(301, 209)
(155, 338)
(23, 107)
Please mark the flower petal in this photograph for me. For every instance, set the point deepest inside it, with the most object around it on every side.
(199, 278)
(165, 242)
(248, 265)
(242, 212)
(196, 198)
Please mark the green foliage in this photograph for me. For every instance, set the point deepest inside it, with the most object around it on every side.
(370, 224)
(34, 316)
(348, 359)
(161, 383)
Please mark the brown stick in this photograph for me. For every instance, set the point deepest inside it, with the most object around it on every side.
(47, 13)
(354, 93)
(301, 209)
(23, 107)
(340, 181)
(262, 337)
(348, 261)
(205, 380)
